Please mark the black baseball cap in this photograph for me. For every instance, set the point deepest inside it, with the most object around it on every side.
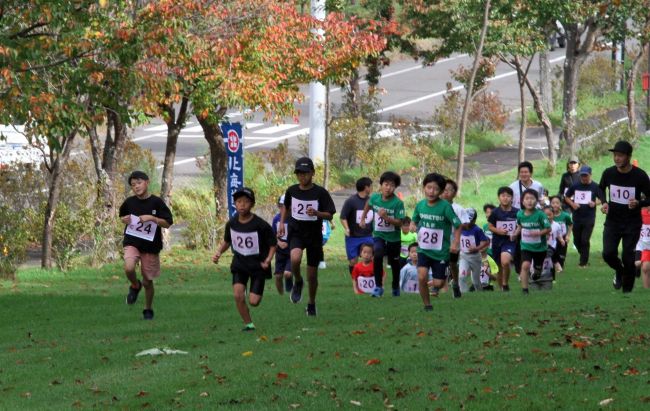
(622, 147)
(244, 191)
(138, 175)
(304, 164)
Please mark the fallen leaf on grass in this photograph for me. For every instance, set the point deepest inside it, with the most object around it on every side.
(263, 338)
(204, 394)
(373, 361)
(282, 375)
(631, 371)
(26, 395)
(180, 391)
(247, 353)
(294, 406)
(606, 401)
(357, 403)
(357, 332)
(55, 382)
(142, 394)
(421, 334)
(487, 390)
(433, 397)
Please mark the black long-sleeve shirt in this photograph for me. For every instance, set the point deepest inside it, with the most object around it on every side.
(622, 188)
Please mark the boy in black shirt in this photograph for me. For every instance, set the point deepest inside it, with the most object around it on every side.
(306, 205)
(626, 184)
(143, 215)
(253, 245)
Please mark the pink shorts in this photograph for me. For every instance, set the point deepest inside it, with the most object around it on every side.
(645, 256)
(149, 263)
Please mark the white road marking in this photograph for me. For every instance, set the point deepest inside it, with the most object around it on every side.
(276, 129)
(284, 137)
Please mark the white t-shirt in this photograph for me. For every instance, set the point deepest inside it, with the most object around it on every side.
(460, 213)
(556, 232)
(518, 189)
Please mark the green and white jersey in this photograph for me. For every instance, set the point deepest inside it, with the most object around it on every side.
(530, 226)
(564, 220)
(435, 223)
(395, 209)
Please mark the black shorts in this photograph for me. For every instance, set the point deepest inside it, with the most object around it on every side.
(438, 268)
(535, 257)
(314, 249)
(453, 257)
(257, 280)
(282, 263)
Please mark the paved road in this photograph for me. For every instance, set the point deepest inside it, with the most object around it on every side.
(411, 91)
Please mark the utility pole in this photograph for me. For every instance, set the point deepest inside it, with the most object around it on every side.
(317, 99)
(618, 55)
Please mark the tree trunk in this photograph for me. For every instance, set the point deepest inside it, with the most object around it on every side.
(522, 104)
(218, 161)
(546, 123)
(56, 178)
(570, 95)
(545, 87)
(175, 123)
(326, 160)
(631, 92)
(460, 166)
(353, 94)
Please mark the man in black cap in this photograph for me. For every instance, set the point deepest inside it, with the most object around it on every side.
(306, 205)
(629, 190)
(581, 199)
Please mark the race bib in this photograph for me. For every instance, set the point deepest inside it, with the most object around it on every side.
(547, 266)
(509, 226)
(485, 274)
(286, 230)
(467, 242)
(245, 243)
(404, 250)
(430, 238)
(366, 284)
(645, 234)
(299, 209)
(621, 195)
(530, 237)
(582, 197)
(140, 229)
(383, 225)
(411, 286)
(369, 216)
(563, 229)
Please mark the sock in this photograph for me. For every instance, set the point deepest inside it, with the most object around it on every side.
(250, 325)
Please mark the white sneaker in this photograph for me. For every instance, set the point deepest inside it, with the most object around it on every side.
(322, 265)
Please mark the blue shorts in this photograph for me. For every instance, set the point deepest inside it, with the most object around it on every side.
(353, 245)
(438, 268)
(505, 247)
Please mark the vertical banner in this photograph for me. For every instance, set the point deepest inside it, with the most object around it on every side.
(234, 141)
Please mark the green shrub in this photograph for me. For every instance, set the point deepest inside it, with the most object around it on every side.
(13, 241)
(598, 76)
(194, 209)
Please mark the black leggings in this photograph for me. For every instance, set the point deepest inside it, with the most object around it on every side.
(629, 234)
(581, 239)
(391, 250)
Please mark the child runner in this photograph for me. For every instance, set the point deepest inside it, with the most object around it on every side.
(644, 240)
(351, 217)
(629, 190)
(407, 238)
(388, 212)
(408, 275)
(554, 240)
(472, 243)
(566, 223)
(282, 257)
(533, 225)
(581, 198)
(306, 205)
(488, 270)
(433, 220)
(487, 209)
(253, 245)
(363, 272)
(449, 193)
(503, 222)
(143, 215)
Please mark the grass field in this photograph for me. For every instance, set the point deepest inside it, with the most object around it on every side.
(68, 341)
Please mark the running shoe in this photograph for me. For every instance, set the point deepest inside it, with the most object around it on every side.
(457, 293)
(377, 292)
(147, 314)
(132, 296)
(310, 310)
(296, 292)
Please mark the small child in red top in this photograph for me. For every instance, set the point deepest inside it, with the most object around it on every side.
(644, 242)
(363, 277)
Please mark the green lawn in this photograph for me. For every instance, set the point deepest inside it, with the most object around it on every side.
(68, 341)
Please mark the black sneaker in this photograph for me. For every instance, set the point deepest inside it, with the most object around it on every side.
(616, 283)
(296, 292)
(311, 310)
(288, 284)
(536, 275)
(505, 288)
(428, 308)
(132, 296)
(248, 328)
(456, 291)
(147, 314)
(525, 291)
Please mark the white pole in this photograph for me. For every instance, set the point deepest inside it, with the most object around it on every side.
(317, 100)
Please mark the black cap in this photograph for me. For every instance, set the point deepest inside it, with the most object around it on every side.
(622, 147)
(244, 191)
(138, 175)
(304, 164)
